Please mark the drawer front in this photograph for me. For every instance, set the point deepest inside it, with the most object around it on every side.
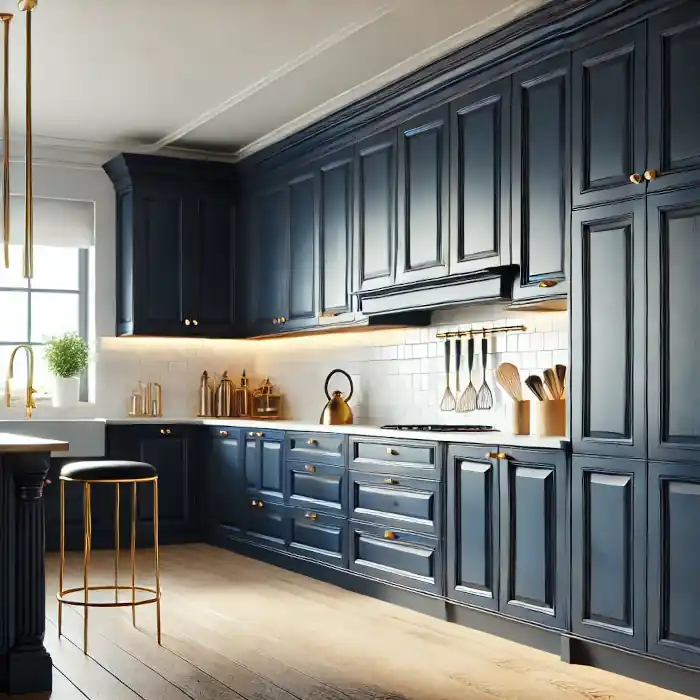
(417, 458)
(317, 486)
(411, 504)
(326, 448)
(265, 523)
(318, 536)
(397, 556)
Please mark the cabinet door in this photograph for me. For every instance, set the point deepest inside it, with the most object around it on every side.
(269, 271)
(608, 337)
(375, 211)
(210, 281)
(673, 235)
(303, 231)
(227, 482)
(162, 218)
(335, 254)
(534, 533)
(265, 523)
(271, 469)
(252, 464)
(609, 139)
(480, 179)
(674, 565)
(608, 550)
(541, 178)
(423, 197)
(674, 97)
(472, 526)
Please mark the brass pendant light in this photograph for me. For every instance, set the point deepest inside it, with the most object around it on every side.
(28, 262)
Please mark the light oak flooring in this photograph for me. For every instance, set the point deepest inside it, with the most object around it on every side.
(237, 628)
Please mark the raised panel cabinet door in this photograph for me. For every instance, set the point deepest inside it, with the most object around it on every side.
(472, 526)
(266, 523)
(609, 134)
(210, 290)
(674, 565)
(375, 211)
(608, 550)
(252, 464)
(268, 280)
(608, 337)
(318, 536)
(272, 469)
(227, 487)
(335, 251)
(534, 581)
(673, 238)
(162, 218)
(674, 97)
(541, 178)
(423, 197)
(480, 178)
(303, 232)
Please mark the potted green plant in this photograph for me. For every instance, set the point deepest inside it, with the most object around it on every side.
(67, 356)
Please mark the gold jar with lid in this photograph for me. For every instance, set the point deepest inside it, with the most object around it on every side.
(266, 403)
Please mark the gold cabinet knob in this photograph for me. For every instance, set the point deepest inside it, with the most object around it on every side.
(187, 321)
(391, 481)
(165, 431)
(275, 321)
(390, 535)
(636, 178)
(251, 434)
(496, 455)
(391, 451)
(195, 322)
(223, 433)
(650, 175)
(547, 284)
(260, 504)
(259, 434)
(312, 442)
(253, 503)
(310, 468)
(311, 516)
(282, 319)
(162, 432)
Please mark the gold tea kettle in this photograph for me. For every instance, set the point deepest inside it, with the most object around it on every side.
(337, 411)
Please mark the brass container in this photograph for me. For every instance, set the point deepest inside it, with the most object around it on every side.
(337, 411)
(552, 418)
(206, 396)
(266, 403)
(223, 403)
(242, 398)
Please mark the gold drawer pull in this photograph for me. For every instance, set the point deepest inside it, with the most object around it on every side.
(650, 175)
(496, 455)
(390, 535)
(195, 322)
(187, 321)
(251, 434)
(311, 516)
(312, 442)
(391, 481)
(259, 434)
(253, 503)
(391, 451)
(223, 433)
(636, 179)
(310, 468)
(548, 284)
(165, 431)
(257, 504)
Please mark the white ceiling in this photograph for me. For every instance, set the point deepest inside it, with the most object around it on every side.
(226, 77)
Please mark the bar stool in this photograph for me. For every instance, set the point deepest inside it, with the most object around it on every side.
(118, 473)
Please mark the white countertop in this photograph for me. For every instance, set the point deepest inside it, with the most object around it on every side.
(23, 443)
(491, 438)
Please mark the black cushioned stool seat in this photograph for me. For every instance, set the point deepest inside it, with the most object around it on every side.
(108, 470)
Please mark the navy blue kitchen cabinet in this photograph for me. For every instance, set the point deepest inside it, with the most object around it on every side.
(264, 464)
(175, 263)
(541, 128)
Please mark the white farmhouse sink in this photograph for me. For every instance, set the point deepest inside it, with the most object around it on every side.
(86, 437)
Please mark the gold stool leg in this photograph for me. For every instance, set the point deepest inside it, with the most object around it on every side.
(116, 546)
(87, 527)
(157, 555)
(62, 550)
(133, 554)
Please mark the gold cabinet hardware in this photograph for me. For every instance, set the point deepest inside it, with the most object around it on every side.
(650, 175)
(496, 455)
(187, 321)
(312, 442)
(547, 284)
(274, 321)
(310, 468)
(636, 179)
(260, 504)
(391, 451)
(223, 433)
(311, 516)
(391, 481)
(259, 434)
(253, 503)
(257, 504)
(390, 535)
(282, 319)
(195, 322)
(165, 431)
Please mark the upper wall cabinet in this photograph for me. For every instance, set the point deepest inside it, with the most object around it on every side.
(423, 201)
(480, 179)
(674, 97)
(609, 84)
(375, 211)
(541, 178)
(175, 247)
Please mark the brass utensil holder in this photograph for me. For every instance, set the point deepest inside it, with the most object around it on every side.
(521, 418)
(552, 421)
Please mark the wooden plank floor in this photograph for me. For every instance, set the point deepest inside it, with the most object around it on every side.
(237, 628)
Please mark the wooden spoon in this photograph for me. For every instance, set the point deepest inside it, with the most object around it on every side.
(534, 383)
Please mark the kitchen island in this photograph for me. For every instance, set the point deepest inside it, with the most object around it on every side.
(25, 665)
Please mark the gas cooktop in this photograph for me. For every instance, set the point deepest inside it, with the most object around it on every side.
(444, 428)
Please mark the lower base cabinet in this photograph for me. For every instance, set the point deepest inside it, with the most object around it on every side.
(318, 536)
(608, 550)
(265, 523)
(396, 556)
(673, 584)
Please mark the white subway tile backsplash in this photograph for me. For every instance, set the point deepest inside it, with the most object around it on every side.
(551, 340)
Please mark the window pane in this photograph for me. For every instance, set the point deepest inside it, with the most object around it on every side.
(53, 314)
(13, 276)
(13, 317)
(55, 268)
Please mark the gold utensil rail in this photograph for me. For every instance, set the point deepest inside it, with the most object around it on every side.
(481, 331)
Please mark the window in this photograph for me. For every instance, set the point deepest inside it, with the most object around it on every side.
(31, 311)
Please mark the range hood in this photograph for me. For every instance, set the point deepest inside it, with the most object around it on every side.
(485, 286)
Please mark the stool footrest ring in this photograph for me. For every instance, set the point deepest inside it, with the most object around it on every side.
(61, 597)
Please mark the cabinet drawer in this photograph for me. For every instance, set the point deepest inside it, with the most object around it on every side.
(320, 447)
(413, 504)
(318, 536)
(417, 458)
(265, 523)
(396, 556)
(223, 431)
(318, 486)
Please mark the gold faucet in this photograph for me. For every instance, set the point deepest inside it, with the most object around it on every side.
(31, 403)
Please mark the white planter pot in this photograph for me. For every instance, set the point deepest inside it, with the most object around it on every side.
(66, 391)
